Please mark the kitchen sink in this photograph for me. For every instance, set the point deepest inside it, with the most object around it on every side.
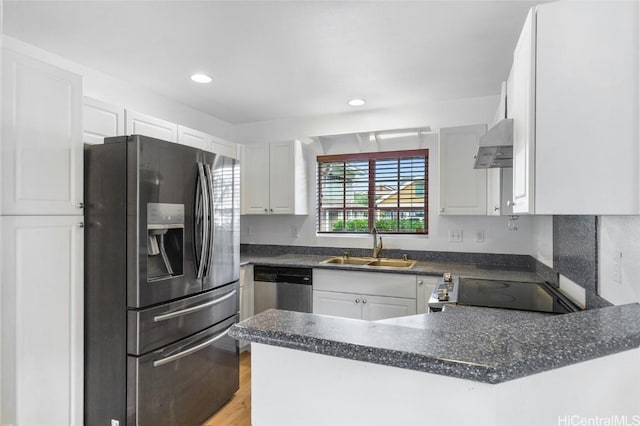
(393, 263)
(371, 262)
(347, 261)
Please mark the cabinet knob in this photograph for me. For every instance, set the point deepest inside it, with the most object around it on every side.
(420, 282)
(364, 301)
(496, 208)
(265, 210)
(271, 210)
(510, 203)
(80, 205)
(442, 210)
(81, 225)
(357, 300)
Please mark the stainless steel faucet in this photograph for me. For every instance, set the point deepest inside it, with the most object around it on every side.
(377, 242)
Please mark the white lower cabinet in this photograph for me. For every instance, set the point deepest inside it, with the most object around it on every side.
(363, 295)
(378, 307)
(361, 306)
(246, 297)
(425, 284)
(42, 320)
(345, 305)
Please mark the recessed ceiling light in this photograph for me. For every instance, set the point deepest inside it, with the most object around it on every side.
(357, 102)
(201, 78)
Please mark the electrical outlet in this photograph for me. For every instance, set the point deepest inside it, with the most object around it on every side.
(617, 267)
(455, 235)
(480, 236)
(249, 230)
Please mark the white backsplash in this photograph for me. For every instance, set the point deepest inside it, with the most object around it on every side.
(619, 235)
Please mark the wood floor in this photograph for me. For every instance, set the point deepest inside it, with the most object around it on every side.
(237, 412)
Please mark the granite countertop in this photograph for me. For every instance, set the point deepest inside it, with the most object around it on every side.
(422, 267)
(481, 344)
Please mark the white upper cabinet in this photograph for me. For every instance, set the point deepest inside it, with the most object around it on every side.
(193, 138)
(573, 94)
(41, 138)
(274, 179)
(222, 147)
(101, 120)
(521, 98)
(463, 189)
(142, 124)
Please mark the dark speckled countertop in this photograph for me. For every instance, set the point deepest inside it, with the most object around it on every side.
(427, 268)
(480, 344)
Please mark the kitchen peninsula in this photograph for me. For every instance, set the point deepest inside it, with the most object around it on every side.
(462, 366)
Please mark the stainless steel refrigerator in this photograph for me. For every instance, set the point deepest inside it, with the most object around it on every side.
(161, 282)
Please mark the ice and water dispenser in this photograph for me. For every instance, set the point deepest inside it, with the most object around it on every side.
(165, 240)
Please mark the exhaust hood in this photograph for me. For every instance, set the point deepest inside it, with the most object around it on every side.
(495, 149)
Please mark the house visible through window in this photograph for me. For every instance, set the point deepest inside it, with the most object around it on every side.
(388, 190)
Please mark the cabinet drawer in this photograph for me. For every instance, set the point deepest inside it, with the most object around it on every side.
(374, 283)
(155, 327)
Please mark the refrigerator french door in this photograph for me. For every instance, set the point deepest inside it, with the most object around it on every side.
(162, 264)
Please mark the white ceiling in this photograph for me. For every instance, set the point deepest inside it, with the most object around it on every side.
(274, 59)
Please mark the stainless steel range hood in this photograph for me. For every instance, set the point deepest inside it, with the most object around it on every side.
(495, 149)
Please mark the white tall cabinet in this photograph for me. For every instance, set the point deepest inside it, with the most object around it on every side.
(42, 320)
(274, 179)
(42, 243)
(573, 95)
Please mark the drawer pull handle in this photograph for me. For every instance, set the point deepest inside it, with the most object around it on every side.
(189, 351)
(187, 311)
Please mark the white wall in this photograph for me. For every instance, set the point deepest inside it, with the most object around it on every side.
(301, 230)
(106, 88)
(619, 234)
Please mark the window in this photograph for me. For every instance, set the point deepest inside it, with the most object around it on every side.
(388, 190)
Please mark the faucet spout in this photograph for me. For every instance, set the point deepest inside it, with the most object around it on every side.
(377, 242)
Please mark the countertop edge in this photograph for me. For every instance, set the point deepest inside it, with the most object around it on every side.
(503, 352)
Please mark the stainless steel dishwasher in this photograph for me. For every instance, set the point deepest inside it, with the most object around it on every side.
(282, 288)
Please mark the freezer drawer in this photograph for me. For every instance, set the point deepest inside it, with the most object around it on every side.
(186, 382)
(152, 328)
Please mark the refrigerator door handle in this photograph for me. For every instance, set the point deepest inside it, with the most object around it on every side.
(187, 311)
(210, 245)
(205, 220)
(189, 351)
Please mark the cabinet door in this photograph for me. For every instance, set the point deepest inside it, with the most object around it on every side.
(377, 307)
(587, 143)
(42, 320)
(521, 92)
(255, 179)
(142, 124)
(222, 147)
(494, 191)
(41, 138)
(193, 138)
(425, 284)
(463, 189)
(246, 292)
(281, 178)
(345, 305)
(101, 120)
